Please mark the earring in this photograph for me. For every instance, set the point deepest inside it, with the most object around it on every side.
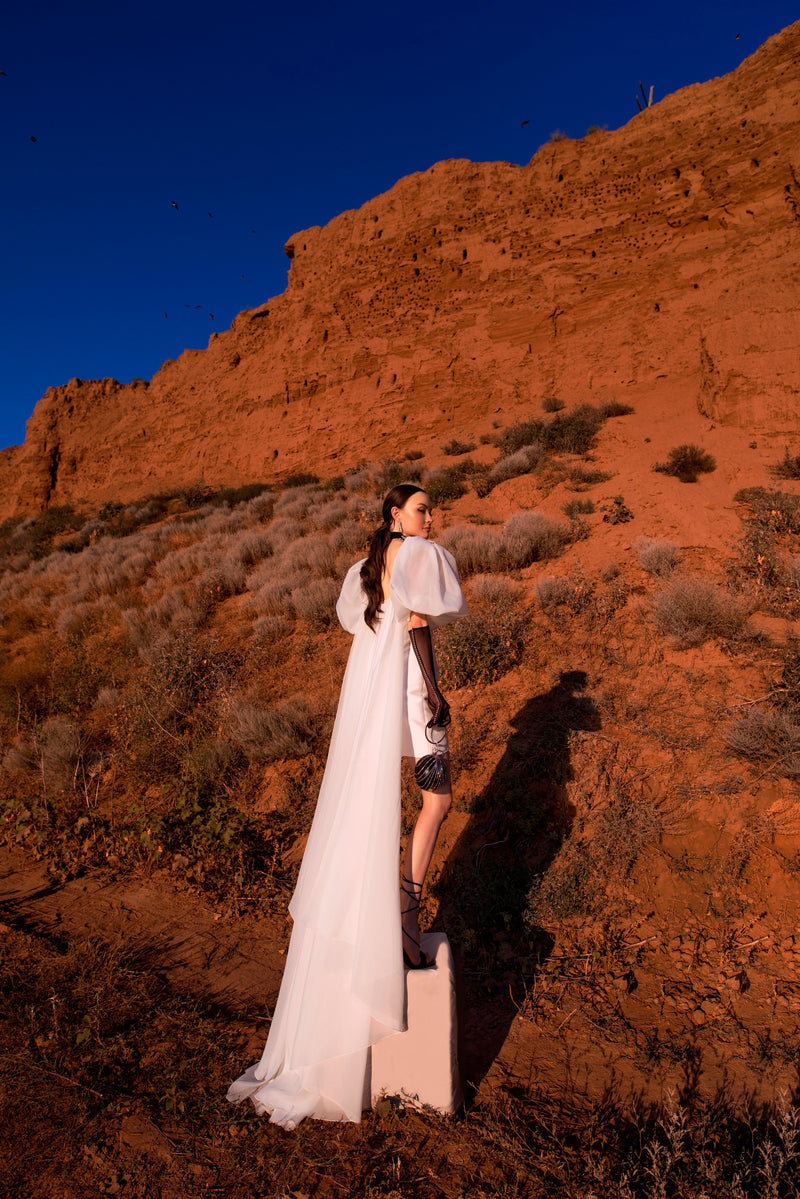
(397, 527)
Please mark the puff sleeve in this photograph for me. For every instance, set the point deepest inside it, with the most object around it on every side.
(425, 580)
(352, 601)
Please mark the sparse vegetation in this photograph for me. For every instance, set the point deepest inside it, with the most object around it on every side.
(454, 447)
(656, 556)
(151, 723)
(479, 649)
(124, 1063)
(687, 463)
(788, 467)
(616, 511)
(574, 508)
(581, 477)
(691, 610)
(765, 736)
(553, 404)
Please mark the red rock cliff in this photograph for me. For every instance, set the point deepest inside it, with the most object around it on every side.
(659, 263)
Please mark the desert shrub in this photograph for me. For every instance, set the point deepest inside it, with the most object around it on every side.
(623, 830)
(195, 495)
(494, 590)
(521, 462)
(656, 556)
(788, 467)
(300, 478)
(780, 509)
(550, 592)
(616, 511)
(792, 573)
(476, 549)
(36, 537)
(253, 547)
(231, 496)
(314, 554)
(773, 515)
(479, 649)
(575, 508)
(687, 463)
(691, 610)
(573, 433)
(766, 736)
(532, 537)
(552, 404)
(273, 595)
(357, 480)
(519, 435)
(614, 408)
(315, 602)
(788, 697)
(526, 537)
(58, 748)
(444, 485)
(454, 447)
(574, 592)
(350, 538)
(75, 620)
(270, 629)
(570, 887)
(389, 473)
(329, 516)
(265, 734)
(581, 477)
(284, 530)
(228, 577)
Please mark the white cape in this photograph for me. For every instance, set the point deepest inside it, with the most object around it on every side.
(343, 985)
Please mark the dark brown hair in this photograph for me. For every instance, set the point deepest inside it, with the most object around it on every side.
(372, 570)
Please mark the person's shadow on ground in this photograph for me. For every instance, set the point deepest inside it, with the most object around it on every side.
(486, 890)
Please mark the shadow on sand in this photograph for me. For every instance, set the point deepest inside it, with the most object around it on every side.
(520, 821)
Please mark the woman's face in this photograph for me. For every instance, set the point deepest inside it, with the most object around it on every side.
(416, 515)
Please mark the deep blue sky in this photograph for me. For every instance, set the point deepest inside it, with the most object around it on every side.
(272, 117)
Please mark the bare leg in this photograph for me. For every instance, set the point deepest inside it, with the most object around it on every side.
(419, 851)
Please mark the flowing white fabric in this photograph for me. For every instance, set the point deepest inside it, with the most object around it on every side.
(343, 985)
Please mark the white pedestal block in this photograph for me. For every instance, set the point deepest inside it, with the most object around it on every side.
(421, 1064)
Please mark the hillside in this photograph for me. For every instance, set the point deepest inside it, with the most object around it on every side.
(657, 264)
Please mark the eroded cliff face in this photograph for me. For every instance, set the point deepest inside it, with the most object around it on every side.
(658, 264)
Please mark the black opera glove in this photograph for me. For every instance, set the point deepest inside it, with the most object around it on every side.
(423, 651)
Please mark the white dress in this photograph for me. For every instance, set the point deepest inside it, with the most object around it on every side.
(343, 985)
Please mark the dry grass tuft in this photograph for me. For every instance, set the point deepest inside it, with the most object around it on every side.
(764, 736)
(657, 557)
(687, 463)
(690, 611)
(283, 731)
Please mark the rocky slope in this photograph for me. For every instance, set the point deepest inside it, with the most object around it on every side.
(657, 264)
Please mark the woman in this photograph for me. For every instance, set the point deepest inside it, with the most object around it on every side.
(343, 986)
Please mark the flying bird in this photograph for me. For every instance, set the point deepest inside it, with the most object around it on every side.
(211, 314)
(166, 316)
(3, 73)
(211, 214)
(174, 205)
(738, 35)
(33, 139)
(524, 123)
